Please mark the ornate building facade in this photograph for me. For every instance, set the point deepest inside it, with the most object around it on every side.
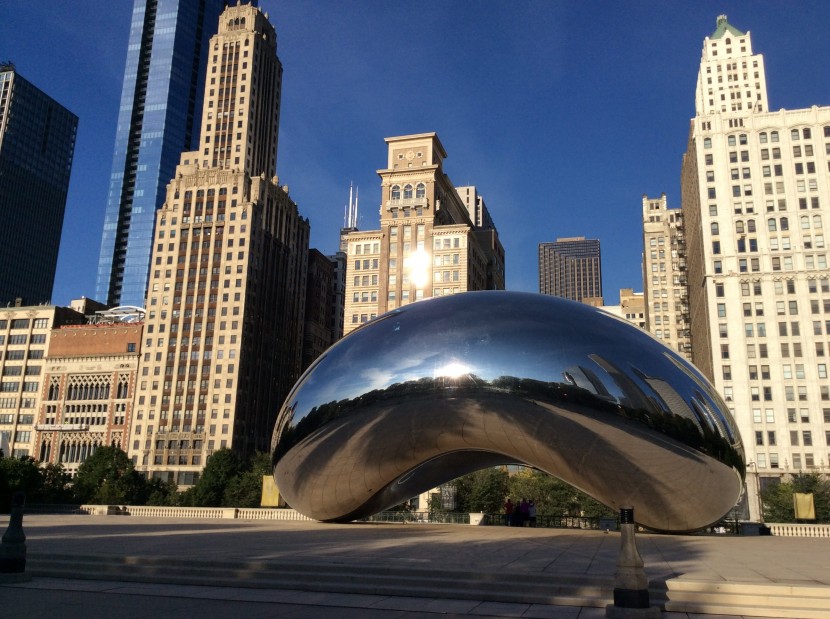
(427, 245)
(88, 391)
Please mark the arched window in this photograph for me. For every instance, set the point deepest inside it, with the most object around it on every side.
(407, 192)
(739, 227)
(715, 229)
(805, 222)
(816, 221)
(420, 190)
(771, 224)
(750, 225)
(785, 223)
(396, 192)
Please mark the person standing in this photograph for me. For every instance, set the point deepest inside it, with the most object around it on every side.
(509, 508)
(524, 507)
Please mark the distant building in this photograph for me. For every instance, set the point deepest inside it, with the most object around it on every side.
(755, 197)
(427, 245)
(665, 276)
(37, 142)
(159, 117)
(571, 268)
(25, 334)
(318, 333)
(227, 289)
(631, 307)
(89, 385)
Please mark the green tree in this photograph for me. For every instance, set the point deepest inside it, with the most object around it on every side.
(18, 475)
(778, 498)
(56, 486)
(553, 496)
(245, 489)
(482, 491)
(108, 477)
(162, 493)
(220, 469)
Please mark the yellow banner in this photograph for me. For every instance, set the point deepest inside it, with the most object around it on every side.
(804, 507)
(270, 494)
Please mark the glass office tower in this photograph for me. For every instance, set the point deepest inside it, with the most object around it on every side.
(158, 120)
(37, 142)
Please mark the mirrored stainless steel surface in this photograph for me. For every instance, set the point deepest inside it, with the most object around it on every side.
(446, 386)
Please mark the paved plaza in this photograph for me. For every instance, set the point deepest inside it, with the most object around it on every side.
(500, 553)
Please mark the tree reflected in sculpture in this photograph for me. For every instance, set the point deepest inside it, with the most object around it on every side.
(441, 388)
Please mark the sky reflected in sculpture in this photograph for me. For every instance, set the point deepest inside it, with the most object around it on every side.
(443, 387)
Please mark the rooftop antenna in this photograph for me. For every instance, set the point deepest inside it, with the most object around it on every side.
(350, 216)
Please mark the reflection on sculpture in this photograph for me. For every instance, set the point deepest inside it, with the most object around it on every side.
(443, 387)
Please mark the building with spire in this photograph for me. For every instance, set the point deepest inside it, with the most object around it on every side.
(571, 268)
(158, 119)
(37, 143)
(227, 288)
(755, 191)
(427, 245)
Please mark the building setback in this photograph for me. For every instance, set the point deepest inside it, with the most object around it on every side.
(755, 197)
(571, 268)
(427, 244)
(320, 308)
(159, 117)
(226, 299)
(37, 142)
(665, 279)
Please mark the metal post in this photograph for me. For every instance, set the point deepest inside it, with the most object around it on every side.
(630, 582)
(13, 547)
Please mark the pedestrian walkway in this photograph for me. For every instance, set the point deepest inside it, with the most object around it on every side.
(279, 569)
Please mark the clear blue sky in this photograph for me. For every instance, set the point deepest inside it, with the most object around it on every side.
(563, 113)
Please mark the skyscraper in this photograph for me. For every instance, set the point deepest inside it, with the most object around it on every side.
(427, 244)
(755, 196)
(665, 281)
(158, 120)
(227, 288)
(37, 142)
(571, 268)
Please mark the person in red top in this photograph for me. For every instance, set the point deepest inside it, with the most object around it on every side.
(508, 512)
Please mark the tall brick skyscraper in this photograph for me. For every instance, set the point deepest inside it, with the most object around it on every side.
(225, 304)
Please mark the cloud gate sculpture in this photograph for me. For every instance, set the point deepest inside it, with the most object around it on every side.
(447, 386)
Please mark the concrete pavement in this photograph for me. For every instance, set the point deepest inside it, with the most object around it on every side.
(353, 570)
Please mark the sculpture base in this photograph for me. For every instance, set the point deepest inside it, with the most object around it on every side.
(14, 577)
(621, 612)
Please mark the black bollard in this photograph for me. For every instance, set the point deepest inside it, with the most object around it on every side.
(631, 600)
(13, 548)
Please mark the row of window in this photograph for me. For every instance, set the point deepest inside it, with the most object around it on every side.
(805, 133)
(793, 416)
(23, 323)
(805, 438)
(395, 192)
(773, 224)
(786, 372)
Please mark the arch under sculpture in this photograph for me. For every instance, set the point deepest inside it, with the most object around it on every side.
(443, 387)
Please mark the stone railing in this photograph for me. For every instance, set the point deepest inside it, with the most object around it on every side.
(787, 529)
(148, 511)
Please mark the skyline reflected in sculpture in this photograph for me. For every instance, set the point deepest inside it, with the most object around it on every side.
(443, 387)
